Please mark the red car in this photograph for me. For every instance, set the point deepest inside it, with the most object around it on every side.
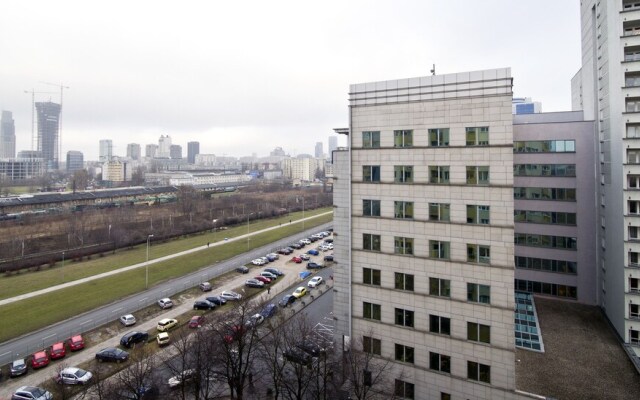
(263, 279)
(296, 260)
(39, 359)
(57, 351)
(196, 321)
(76, 343)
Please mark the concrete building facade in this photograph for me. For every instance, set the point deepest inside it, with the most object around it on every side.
(106, 150)
(175, 152)
(193, 149)
(75, 161)
(116, 171)
(164, 147)
(423, 216)
(134, 152)
(302, 169)
(18, 169)
(150, 150)
(7, 135)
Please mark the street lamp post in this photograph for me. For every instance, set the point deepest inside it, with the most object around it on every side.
(146, 267)
(63, 266)
(248, 215)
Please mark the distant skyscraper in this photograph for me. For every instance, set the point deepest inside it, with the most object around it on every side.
(175, 151)
(48, 126)
(333, 144)
(193, 148)
(319, 151)
(106, 150)
(164, 147)
(151, 150)
(524, 105)
(75, 161)
(7, 136)
(133, 151)
(277, 152)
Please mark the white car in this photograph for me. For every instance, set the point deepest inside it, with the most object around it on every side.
(304, 257)
(258, 261)
(255, 320)
(177, 380)
(315, 281)
(74, 376)
(305, 241)
(165, 303)
(128, 320)
(230, 295)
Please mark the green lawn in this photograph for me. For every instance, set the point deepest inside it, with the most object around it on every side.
(35, 313)
(26, 282)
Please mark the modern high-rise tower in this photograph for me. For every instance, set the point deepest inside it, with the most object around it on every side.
(318, 152)
(193, 149)
(48, 130)
(133, 151)
(7, 136)
(333, 144)
(106, 150)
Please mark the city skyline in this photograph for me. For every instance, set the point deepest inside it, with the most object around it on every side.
(242, 92)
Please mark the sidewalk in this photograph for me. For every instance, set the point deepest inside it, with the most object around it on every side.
(290, 278)
(140, 265)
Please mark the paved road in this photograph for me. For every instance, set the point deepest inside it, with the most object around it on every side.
(27, 344)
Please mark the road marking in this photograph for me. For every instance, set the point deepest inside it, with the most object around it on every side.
(86, 322)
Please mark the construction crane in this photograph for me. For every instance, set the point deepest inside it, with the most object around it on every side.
(62, 88)
(33, 121)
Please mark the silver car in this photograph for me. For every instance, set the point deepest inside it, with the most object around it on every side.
(230, 295)
(128, 320)
(74, 376)
(31, 393)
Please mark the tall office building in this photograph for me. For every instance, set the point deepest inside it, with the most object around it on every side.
(48, 130)
(318, 150)
(133, 151)
(164, 147)
(7, 136)
(607, 88)
(333, 144)
(175, 151)
(75, 161)
(193, 149)
(106, 150)
(151, 150)
(424, 222)
(524, 105)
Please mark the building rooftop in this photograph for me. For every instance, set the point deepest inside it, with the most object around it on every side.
(582, 359)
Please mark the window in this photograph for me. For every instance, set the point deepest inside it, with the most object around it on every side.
(477, 175)
(531, 193)
(371, 345)
(404, 390)
(438, 174)
(477, 293)
(477, 136)
(439, 287)
(404, 281)
(370, 242)
(445, 396)
(404, 317)
(371, 139)
(439, 362)
(441, 325)
(403, 245)
(404, 353)
(403, 209)
(633, 181)
(478, 214)
(478, 254)
(371, 311)
(632, 104)
(634, 259)
(544, 264)
(631, 53)
(371, 173)
(403, 173)
(633, 156)
(439, 137)
(478, 372)
(545, 146)
(544, 217)
(634, 336)
(371, 276)
(633, 131)
(439, 212)
(632, 80)
(438, 249)
(634, 285)
(371, 208)
(544, 170)
(402, 138)
(478, 332)
(550, 289)
(634, 311)
(553, 242)
(634, 206)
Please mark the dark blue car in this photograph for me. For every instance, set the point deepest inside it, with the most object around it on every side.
(313, 252)
(286, 300)
(269, 310)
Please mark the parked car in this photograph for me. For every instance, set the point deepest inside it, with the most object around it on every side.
(130, 339)
(269, 275)
(262, 279)
(297, 356)
(39, 359)
(328, 240)
(166, 323)
(128, 320)
(253, 283)
(310, 348)
(242, 269)
(76, 342)
(269, 310)
(203, 305)
(163, 339)
(74, 376)
(299, 292)
(141, 392)
(165, 303)
(112, 354)
(313, 265)
(284, 251)
(313, 252)
(258, 261)
(296, 260)
(315, 281)
(184, 376)
(305, 241)
(205, 287)
(217, 300)
(57, 351)
(18, 367)
(274, 271)
(265, 259)
(196, 321)
(31, 393)
(296, 246)
(304, 257)
(254, 320)
(273, 256)
(329, 258)
(230, 295)
(287, 300)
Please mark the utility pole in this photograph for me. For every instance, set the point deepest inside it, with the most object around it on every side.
(62, 87)
(34, 145)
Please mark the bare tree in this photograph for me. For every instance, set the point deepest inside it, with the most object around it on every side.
(137, 380)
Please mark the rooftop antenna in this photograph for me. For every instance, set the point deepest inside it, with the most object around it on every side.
(433, 70)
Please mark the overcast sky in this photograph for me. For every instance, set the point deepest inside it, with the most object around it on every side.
(243, 77)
